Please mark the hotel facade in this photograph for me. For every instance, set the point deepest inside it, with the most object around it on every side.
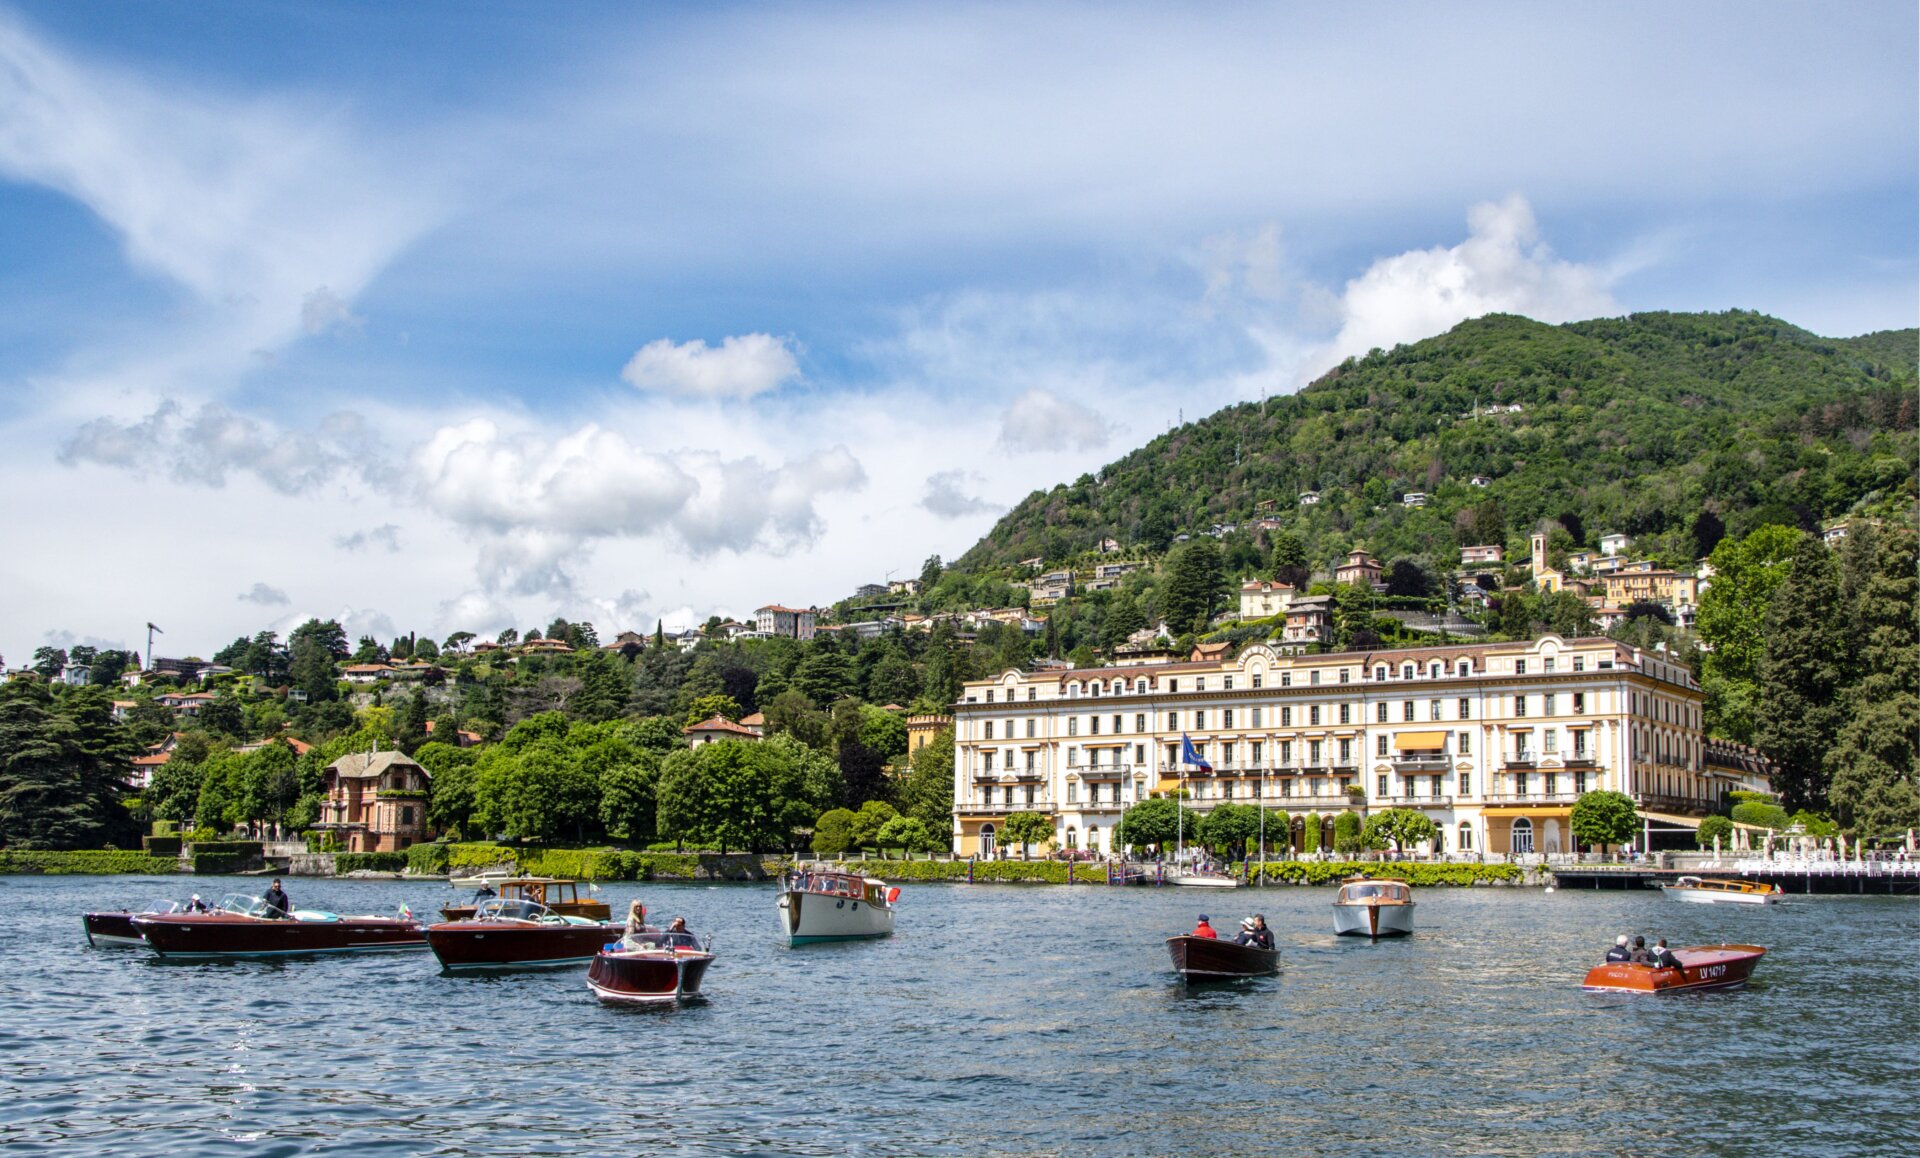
(1493, 742)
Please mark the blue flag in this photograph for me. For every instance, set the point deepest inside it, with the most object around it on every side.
(1191, 755)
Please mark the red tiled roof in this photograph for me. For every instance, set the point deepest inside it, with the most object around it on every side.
(718, 724)
(788, 610)
(756, 720)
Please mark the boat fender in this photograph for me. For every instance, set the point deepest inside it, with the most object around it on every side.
(893, 894)
(840, 904)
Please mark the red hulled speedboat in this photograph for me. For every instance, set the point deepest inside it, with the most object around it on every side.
(1215, 959)
(240, 927)
(1701, 967)
(511, 934)
(105, 929)
(649, 969)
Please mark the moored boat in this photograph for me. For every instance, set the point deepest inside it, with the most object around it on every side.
(506, 934)
(1213, 958)
(558, 894)
(106, 928)
(1718, 891)
(1701, 967)
(834, 906)
(650, 968)
(1203, 878)
(240, 927)
(1373, 907)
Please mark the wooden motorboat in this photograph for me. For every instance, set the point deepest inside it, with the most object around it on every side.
(105, 929)
(240, 927)
(1373, 907)
(1718, 891)
(1214, 958)
(651, 968)
(834, 906)
(558, 894)
(1200, 878)
(507, 934)
(1701, 967)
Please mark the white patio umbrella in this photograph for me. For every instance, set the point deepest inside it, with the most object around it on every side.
(1910, 841)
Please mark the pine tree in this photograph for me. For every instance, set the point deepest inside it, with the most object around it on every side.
(1800, 676)
(1196, 586)
(1871, 765)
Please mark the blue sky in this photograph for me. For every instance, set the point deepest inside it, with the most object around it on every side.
(445, 316)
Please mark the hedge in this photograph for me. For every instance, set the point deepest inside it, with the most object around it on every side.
(213, 864)
(1051, 872)
(236, 847)
(161, 845)
(428, 860)
(581, 864)
(385, 862)
(1420, 875)
(102, 861)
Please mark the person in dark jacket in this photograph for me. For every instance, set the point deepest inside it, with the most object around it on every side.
(277, 903)
(1619, 953)
(1663, 957)
(1640, 956)
(1262, 936)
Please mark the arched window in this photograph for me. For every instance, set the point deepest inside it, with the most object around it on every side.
(1073, 837)
(986, 840)
(1466, 837)
(1523, 835)
(1093, 838)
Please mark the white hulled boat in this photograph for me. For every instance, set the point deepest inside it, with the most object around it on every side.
(1369, 907)
(1710, 891)
(834, 906)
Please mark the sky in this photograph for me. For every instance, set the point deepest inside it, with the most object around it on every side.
(437, 316)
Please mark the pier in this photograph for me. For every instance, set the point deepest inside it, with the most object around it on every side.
(1794, 875)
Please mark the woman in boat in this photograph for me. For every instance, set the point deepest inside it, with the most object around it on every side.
(636, 917)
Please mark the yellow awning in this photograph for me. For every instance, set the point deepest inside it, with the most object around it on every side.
(1670, 818)
(1420, 741)
(1166, 785)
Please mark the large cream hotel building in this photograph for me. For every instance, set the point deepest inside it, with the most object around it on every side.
(1493, 742)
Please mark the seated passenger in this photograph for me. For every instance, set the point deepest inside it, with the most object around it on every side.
(1262, 936)
(1640, 956)
(1245, 935)
(1663, 957)
(1203, 929)
(1619, 953)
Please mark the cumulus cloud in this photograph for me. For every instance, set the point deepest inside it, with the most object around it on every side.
(740, 367)
(536, 501)
(1042, 420)
(946, 496)
(206, 445)
(386, 536)
(265, 596)
(1502, 267)
(474, 611)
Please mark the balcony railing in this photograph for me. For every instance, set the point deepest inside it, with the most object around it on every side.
(1684, 804)
(1425, 801)
(1530, 797)
(1418, 764)
(998, 808)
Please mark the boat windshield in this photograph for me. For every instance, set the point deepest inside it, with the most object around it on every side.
(244, 905)
(162, 907)
(659, 940)
(514, 910)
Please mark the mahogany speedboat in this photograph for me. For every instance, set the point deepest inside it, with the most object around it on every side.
(1716, 891)
(517, 935)
(1701, 967)
(118, 928)
(240, 927)
(561, 896)
(650, 968)
(1213, 958)
(1373, 907)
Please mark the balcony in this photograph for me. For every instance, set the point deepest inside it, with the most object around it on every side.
(1000, 809)
(1418, 764)
(1684, 805)
(1519, 764)
(1415, 801)
(1544, 799)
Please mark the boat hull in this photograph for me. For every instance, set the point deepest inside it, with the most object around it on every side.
(1361, 919)
(1203, 881)
(1715, 897)
(1702, 967)
(1213, 959)
(208, 935)
(472, 945)
(648, 976)
(808, 918)
(112, 929)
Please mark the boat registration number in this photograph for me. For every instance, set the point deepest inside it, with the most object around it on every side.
(1712, 971)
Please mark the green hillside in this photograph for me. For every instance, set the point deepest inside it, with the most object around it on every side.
(1638, 424)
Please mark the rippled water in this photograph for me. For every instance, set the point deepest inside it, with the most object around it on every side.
(1001, 1019)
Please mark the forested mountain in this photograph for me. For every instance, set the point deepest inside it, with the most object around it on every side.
(1641, 424)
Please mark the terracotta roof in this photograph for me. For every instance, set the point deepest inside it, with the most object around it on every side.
(755, 720)
(153, 761)
(788, 610)
(718, 724)
(365, 766)
(366, 667)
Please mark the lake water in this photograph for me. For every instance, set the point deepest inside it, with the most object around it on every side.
(1000, 1019)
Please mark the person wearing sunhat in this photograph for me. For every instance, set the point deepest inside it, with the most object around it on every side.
(1203, 929)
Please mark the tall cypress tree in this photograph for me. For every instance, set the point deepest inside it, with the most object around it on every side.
(1801, 676)
(1875, 784)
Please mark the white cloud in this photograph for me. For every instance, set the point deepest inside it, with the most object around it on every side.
(386, 536)
(323, 310)
(1502, 267)
(740, 367)
(946, 496)
(1042, 420)
(265, 596)
(208, 444)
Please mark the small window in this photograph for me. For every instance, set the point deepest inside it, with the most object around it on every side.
(1227, 682)
(1406, 712)
(1173, 685)
(1346, 675)
(1380, 746)
(1314, 678)
(1199, 683)
(1140, 687)
(1226, 718)
(989, 732)
(1380, 785)
(1466, 708)
(1140, 722)
(1520, 705)
(1464, 743)
(1173, 721)
(1346, 713)
(989, 695)
(1463, 668)
(1380, 712)
(1436, 670)
(1199, 721)
(1256, 679)
(1547, 704)
(1519, 667)
(1286, 679)
(1547, 664)
(1406, 671)
(1380, 672)
(1093, 725)
(1313, 714)
(1286, 717)
(1073, 726)
(1579, 663)
(1256, 717)
(1434, 708)
(1033, 693)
